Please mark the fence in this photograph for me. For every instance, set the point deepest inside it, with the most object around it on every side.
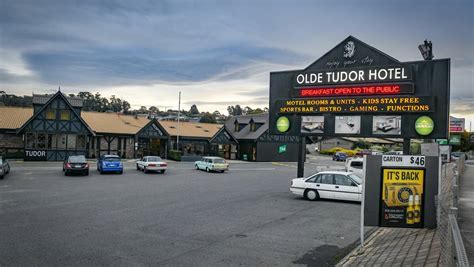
(453, 252)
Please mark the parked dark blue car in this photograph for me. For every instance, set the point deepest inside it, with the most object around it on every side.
(339, 156)
(109, 163)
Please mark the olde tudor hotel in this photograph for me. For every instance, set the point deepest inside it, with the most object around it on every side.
(56, 127)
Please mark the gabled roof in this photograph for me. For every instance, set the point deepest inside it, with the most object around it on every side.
(60, 95)
(191, 129)
(43, 99)
(222, 129)
(156, 123)
(13, 118)
(115, 123)
(245, 133)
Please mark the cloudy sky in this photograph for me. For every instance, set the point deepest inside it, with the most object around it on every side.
(218, 53)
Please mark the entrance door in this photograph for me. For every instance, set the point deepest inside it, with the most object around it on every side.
(227, 151)
(154, 147)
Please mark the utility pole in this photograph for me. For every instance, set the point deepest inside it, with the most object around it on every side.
(179, 114)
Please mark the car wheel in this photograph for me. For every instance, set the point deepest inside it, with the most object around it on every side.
(197, 168)
(207, 169)
(145, 170)
(138, 168)
(162, 171)
(66, 173)
(87, 172)
(311, 194)
(120, 172)
(101, 172)
(1, 176)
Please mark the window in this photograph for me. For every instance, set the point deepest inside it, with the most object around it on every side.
(342, 180)
(71, 141)
(41, 140)
(81, 142)
(312, 179)
(30, 140)
(50, 114)
(327, 178)
(252, 127)
(65, 115)
(357, 164)
(318, 179)
(52, 140)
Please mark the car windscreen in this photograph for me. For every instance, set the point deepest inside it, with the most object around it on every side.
(77, 159)
(112, 159)
(357, 164)
(219, 161)
(153, 159)
(356, 178)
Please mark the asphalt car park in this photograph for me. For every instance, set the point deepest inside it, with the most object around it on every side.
(245, 216)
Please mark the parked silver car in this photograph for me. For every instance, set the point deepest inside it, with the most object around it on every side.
(4, 167)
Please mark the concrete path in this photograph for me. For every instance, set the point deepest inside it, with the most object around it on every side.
(466, 209)
(397, 247)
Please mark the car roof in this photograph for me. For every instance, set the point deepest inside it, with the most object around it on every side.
(110, 156)
(334, 172)
(212, 158)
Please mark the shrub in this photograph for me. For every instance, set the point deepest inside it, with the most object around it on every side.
(174, 155)
(333, 150)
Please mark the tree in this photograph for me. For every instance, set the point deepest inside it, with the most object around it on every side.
(154, 109)
(143, 110)
(208, 118)
(234, 110)
(194, 110)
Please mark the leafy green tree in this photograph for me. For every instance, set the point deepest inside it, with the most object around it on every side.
(208, 118)
(235, 110)
(194, 110)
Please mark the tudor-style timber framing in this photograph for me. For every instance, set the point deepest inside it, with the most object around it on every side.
(55, 130)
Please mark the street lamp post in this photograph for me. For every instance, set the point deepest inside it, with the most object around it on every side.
(179, 114)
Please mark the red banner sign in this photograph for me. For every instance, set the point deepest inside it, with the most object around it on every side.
(376, 89)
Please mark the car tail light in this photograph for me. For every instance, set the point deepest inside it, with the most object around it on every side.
(87, 165)
(163, 165)
(68, 165)
(151, 165)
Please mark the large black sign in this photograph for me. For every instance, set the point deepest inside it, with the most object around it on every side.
(356, 90)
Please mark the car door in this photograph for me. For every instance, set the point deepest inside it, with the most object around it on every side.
(325, 185)
(345, 188)
(144, 162)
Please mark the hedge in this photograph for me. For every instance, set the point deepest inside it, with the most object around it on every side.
(175, 155)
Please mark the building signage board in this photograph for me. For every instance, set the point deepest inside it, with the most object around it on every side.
(455, 139)
(456, 125)
(402, 197)
(384, 96)
(35, 155)
(282, 149)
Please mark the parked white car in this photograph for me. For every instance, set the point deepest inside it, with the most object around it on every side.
(152, 163)
(212, 164)
(4, 167)
(330, 185)
(356, 166)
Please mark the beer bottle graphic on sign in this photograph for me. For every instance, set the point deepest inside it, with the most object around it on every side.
(417, 210)
(410, 210)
